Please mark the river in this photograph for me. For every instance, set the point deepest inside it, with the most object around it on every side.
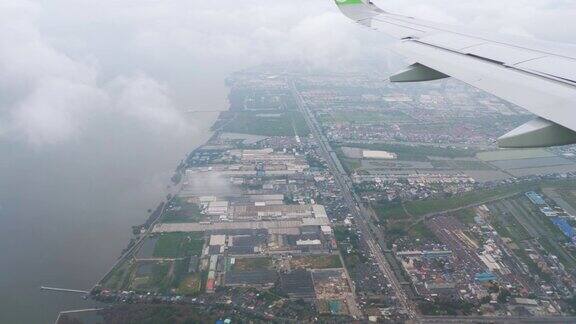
(66, 210)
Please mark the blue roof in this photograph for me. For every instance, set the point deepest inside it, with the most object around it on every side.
(485, 276)
(564, 226)
(535, 198)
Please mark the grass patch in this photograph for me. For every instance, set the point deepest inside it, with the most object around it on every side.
(274, 123)
(178, 245)
(316, 262)
(119, 278)
(181, 211)
(159, 279)
(417, 152)
(390, 211)
(510, 154)
(503, 230)
(422, 207)
(251, 264)
(462, 165)
(512, 230)
(422, 232)
(348, 164)
(349, 244)
(191, 285)
(366, 117)
(466, 215)
(554, 249)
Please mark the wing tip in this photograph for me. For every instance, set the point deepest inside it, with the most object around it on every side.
(350, 2)
(358, 9)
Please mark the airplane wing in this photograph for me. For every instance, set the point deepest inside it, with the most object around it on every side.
(540, 77)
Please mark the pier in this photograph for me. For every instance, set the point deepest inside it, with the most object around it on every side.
(76, 311)
(76, 291)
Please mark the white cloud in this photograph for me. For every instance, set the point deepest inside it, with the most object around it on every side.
(144, 99)
(62, 61)
(51, 95)
(54, 110)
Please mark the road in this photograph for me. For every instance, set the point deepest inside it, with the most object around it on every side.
(361, 216)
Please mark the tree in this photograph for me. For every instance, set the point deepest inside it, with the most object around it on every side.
(503, 296)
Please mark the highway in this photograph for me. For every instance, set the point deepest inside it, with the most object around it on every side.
(361, 216)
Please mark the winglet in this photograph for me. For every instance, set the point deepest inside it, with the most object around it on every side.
(538, 133)
(358, 10)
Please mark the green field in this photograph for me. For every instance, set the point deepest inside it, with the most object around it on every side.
(119, 277)
(507, 226)
(422, 207)
(522, 211)
(568, 195)
(349, 245)
(191, 285)
(158, 280)
(163, 276)
(348, 164)
(277, 123)
(422, 232)
(316, 262)
(418, 152)
(178, 245)
(366, 117)
(466, 215)
(511, 154)
(401, 221)
(182, 212)
(462, 165)
(251, 264)
(390, 211)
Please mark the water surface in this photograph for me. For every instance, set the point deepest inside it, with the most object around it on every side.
(66, 209)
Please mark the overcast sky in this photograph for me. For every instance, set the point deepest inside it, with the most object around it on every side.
(63, 63)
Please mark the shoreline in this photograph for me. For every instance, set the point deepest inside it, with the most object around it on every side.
(132, 246)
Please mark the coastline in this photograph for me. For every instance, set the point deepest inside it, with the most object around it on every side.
(155, 216)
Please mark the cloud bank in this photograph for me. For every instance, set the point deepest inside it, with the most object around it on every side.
(63, 63)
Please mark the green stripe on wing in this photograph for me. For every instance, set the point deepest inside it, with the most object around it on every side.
(348, 2)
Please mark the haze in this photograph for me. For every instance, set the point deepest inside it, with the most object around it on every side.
(94, 94)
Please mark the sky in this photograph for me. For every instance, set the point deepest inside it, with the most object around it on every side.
(64, 62)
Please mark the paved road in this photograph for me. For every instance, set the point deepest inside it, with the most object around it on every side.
(361, 216)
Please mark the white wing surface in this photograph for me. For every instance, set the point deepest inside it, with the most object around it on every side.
(541, 77)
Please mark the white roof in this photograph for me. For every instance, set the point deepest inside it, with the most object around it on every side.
(384, 155)
(308, 242)
(319, 211)
(326, 229)
(217, 239)
(219, 203)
